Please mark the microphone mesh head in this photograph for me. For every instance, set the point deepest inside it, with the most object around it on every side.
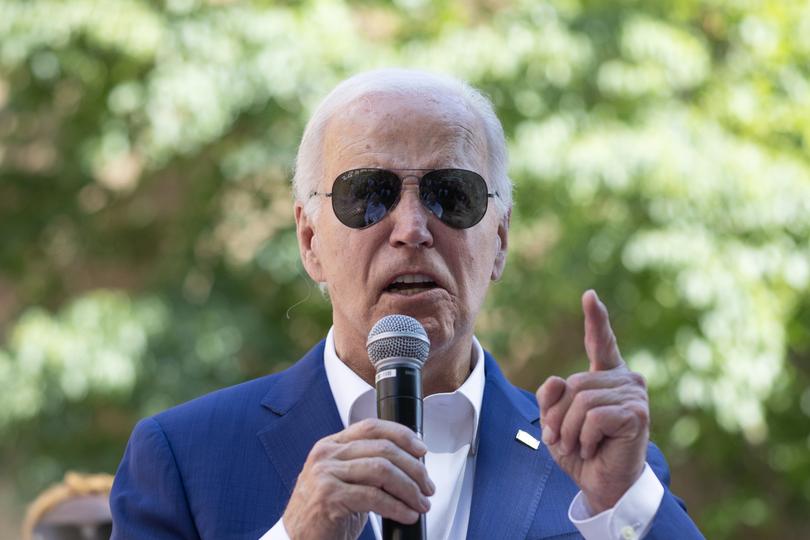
(397, 336)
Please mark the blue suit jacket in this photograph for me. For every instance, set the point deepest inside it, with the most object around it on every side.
(223, 466)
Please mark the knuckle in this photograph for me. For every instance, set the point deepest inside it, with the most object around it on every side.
(578, 381)
(641, 412)
(367, 426)
(643, 397)
(379, 466)
(586, 399)
(594, 415)
(402, 437)
(540, 394)
(586, 438)
(638, 379)
(384, 447)
(318, 470)
(547, 384)
(320, 450)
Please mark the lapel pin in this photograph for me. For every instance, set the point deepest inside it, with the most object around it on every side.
(527, 439)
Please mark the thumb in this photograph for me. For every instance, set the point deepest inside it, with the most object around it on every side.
(600, 341)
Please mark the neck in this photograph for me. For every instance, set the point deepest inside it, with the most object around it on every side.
(445, 370)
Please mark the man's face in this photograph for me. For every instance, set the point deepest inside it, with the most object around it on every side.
(360, 267)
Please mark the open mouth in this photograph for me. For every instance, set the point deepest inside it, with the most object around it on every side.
(410, 284)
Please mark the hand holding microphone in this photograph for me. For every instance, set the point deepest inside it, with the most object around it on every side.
(371, 466)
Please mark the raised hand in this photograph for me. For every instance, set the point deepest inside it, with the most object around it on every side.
(596, 423)
(371, 466)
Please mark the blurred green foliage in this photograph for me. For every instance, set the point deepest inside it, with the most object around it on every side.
(659, 152)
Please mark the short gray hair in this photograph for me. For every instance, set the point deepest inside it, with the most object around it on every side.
(309, 161)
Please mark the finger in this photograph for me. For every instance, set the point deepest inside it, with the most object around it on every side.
(593, 380)
(555, 397)
(574, 419)
(373, 428)
(384, 448)
(609, 421)
(600, 341)
(380, 473)
(361, 498)
(550, 392)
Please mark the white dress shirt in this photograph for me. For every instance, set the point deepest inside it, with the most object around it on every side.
(450, 433)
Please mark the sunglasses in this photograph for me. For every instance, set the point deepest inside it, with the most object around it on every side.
(363, 197)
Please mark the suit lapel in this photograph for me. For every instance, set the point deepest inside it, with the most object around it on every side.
(509, 475)
(305, 413)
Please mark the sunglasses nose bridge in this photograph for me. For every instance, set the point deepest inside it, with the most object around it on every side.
(410, 184)
(410, 178)
(409, 199)
(410, 219)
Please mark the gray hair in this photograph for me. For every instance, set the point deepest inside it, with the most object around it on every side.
(309, 163)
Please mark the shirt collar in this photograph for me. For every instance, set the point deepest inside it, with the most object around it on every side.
(356, 400)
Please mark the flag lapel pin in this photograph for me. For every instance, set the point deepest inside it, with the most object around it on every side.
(527, 439)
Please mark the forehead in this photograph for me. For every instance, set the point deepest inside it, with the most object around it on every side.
(392, 130)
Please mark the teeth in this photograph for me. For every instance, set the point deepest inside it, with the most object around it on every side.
(413, 278)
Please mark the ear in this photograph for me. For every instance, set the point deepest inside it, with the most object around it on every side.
(308, 243)
(501, 246)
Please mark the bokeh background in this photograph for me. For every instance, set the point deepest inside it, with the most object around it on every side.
(659, 151)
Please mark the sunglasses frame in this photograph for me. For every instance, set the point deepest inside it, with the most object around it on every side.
(425, 172)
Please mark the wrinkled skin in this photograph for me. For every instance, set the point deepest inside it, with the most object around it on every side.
(597, 423)
(396, 132)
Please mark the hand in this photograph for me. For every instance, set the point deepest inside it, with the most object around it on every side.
(371, 466)
(596, 423)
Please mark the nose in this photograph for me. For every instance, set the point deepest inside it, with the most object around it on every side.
(410, 219)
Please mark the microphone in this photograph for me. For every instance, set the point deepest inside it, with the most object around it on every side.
(398, 347)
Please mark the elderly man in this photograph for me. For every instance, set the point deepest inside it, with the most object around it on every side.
(412, 167)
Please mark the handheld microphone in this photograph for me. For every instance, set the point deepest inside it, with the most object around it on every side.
(398, 347)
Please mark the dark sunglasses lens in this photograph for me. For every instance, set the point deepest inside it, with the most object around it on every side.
(457, 197)
(363, 197)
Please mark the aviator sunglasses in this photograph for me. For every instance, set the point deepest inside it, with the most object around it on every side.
(363, 197)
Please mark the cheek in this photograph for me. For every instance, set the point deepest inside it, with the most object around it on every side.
(476, 260)
(349, 259)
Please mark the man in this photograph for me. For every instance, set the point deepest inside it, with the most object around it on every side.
(413, 169)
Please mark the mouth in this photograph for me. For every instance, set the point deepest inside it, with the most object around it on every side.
(411, 284)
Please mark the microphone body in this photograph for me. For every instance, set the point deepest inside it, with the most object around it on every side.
(399, 393)
(399, 399)
(398, 346)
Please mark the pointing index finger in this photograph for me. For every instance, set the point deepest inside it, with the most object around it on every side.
(600, 341)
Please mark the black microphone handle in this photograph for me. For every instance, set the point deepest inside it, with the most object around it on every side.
(399, 399)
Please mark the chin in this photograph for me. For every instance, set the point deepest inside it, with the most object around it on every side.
(439, 320)
(439, 332)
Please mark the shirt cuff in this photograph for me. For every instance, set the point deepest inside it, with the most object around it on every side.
(278, 532)
(630, 519)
